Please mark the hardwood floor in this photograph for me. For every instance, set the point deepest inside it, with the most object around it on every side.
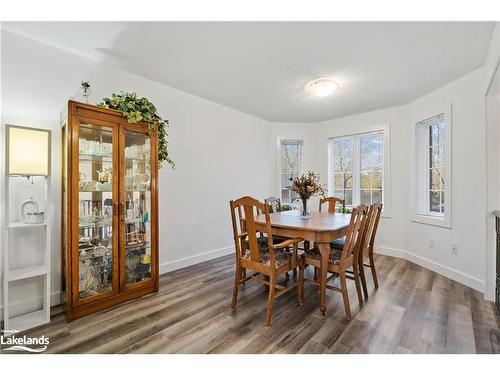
(414, 311)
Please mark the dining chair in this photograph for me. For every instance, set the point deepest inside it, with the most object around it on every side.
(274, 204)
(367, 248)
(266, 259)
(340, 261)
(332, 203)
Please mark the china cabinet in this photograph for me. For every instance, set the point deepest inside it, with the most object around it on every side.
(110, 215)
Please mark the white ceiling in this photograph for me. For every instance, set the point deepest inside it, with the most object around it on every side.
(261, 67)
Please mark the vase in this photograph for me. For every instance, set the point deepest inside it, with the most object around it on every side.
(305, 210)
(86, 93)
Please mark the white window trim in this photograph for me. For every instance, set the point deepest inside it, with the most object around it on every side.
(278, 161)
(386, 185)
(417, 196)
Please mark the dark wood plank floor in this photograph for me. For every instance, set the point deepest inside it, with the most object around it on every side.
(414, 311)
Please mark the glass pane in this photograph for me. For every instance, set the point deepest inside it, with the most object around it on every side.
(366, 180)
(436, 156)
(435, 201)
(137, 207)
(435, 179)
(95, 226)
(342, 155)
(285, 195)
(348, 197)
(290, 158)
(347, 181)
(377, 180)
(434, 134)
(342, 181)
(365, 197)
(286, 180)
(370, 153)
(344, 194)
(338, 181)
(441, 133)
(377, 196)
(442, 201)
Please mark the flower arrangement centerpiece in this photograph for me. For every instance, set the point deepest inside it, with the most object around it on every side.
(305, 187)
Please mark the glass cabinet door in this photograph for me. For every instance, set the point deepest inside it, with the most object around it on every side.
(97, 248)
(136, 210)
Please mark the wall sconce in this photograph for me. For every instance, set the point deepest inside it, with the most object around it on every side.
(28, 151)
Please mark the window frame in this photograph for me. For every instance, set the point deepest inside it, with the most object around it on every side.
(280, 142)
(385, 131)
(420, 166)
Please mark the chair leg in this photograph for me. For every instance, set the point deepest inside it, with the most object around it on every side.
(355, 268)
(345, 295)
(287, 276)
(363, 278)
(316, 274)
(301, 285)
(243, 274)
(236, 286)
(270, 301)
(374, 273)
(294, 273)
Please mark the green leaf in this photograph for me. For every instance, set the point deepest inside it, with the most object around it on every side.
(136, 110)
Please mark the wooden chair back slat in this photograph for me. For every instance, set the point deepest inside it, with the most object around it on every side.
(332, 203)
(372, 225)
(355, 233)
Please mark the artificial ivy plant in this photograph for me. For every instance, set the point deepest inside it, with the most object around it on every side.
(141, 109)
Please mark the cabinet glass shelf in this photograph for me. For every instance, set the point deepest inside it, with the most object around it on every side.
(109, 158)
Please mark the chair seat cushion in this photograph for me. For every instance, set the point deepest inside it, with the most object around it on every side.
(337, 244)
(334, 257)
(282, 257)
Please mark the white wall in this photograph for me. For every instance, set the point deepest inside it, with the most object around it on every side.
(468, 177)
(220, 153)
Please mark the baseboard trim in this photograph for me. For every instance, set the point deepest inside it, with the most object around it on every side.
(455, 275)
(195, 259)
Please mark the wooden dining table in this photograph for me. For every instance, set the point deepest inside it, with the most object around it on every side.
(320, 227)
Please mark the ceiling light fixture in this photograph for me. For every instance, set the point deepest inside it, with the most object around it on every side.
(322, 87)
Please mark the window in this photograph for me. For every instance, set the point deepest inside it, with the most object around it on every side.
(291, 166)
(357, 168)
(432, 170)
(436, 166)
